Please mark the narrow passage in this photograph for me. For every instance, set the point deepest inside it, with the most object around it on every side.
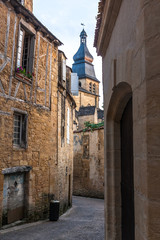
(85, 221)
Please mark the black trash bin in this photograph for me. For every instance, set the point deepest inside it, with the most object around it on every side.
(54, 210)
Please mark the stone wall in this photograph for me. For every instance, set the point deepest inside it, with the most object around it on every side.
(131, 69)
(29, 4)
(83, 99)
(88, 174)
(65, 155)
(37, 99)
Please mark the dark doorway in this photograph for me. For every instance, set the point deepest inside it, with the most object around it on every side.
(69, 191)
(127, 174)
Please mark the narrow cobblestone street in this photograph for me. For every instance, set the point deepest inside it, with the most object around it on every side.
(85, 221)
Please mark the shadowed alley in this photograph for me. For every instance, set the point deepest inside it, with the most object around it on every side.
(84, 221)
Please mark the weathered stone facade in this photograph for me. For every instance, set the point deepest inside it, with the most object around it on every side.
(29, 116)
(66, 104)
(88, 177)
(89, 163)
(127, 37)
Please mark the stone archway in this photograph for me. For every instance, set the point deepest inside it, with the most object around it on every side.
(127, 172)
(121, 95)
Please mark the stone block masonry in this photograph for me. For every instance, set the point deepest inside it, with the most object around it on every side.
(28, 118)
(88, 174)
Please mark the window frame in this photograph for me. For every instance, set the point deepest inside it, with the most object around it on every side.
(22, 129)
(94, 88)
(90, 87)
(20, 47)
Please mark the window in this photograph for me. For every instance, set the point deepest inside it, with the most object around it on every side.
(25, 52)
(94, 88)
(68, 135)
(20, 130)
(64, 70)
(90, 87)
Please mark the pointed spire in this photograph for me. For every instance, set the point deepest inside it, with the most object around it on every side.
(83, 60)
(83, 37)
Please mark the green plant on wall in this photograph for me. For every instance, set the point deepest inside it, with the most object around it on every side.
(92, 126)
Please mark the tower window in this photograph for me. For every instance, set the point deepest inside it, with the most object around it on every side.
(94, 88)
(80, 84)
(90, 87)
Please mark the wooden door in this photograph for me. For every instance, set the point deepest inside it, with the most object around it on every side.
(127, 173)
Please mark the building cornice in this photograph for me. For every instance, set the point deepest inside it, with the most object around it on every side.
(106, 19)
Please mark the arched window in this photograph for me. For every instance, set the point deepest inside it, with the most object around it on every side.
(90, 87)
(94, 88)
(80, 84)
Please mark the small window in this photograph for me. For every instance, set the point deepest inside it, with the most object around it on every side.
(94, 88)
(80, 84)
(90, 87)
(25, 52)
(20, 130)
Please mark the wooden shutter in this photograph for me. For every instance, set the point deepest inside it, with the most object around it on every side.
(20, 47)
(31, 54)
(64, 70)
(68, 135)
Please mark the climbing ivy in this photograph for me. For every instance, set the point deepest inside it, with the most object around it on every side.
(92, 126)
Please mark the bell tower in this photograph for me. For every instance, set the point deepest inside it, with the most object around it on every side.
(88, 83)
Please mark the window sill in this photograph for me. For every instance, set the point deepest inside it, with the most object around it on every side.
(19, 148)
(22, 78)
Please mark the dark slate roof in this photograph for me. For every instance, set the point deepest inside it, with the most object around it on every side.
(83, 60)
(100, 114)
(84, 111)
(82, 53)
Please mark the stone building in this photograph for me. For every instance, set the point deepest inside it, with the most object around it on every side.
(31, 166)
(66, 105)
(88, 174)
(127, 37)
(89, 163)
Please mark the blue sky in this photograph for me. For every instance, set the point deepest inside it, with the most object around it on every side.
(63, 18)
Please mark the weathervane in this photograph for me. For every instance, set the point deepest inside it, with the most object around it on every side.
(83, 24)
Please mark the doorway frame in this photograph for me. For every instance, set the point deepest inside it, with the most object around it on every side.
(118, 101)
